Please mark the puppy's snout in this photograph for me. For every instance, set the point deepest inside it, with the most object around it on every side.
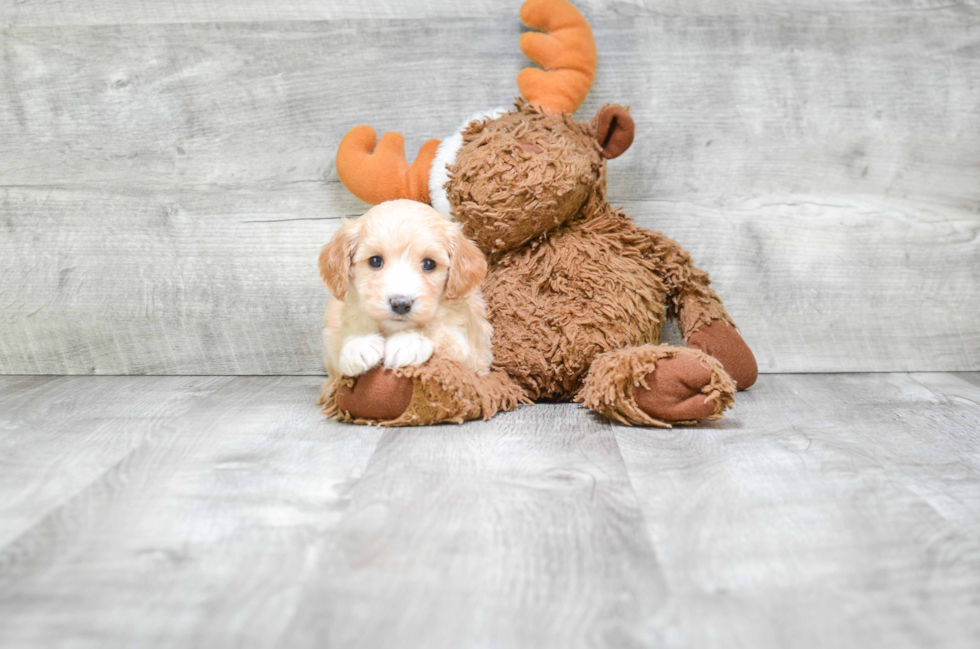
(401, 304)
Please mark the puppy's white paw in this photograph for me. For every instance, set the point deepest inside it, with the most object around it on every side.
(360, 353)
(408, 348)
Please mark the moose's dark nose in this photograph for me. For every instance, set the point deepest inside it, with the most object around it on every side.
(400, 304)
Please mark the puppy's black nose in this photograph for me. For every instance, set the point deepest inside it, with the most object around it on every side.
(400, 304)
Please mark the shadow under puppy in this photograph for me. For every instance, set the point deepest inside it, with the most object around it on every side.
(407, 287)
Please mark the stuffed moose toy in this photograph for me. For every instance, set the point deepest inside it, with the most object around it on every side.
(576, 292)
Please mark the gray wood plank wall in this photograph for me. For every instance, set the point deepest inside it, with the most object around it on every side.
(166, 169)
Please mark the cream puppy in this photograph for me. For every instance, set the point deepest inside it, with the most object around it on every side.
(407, 286)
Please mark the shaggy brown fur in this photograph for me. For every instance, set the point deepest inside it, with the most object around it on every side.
(576, 292)
(521, 175)
(570, 277)
(625, 385)
(441, 390)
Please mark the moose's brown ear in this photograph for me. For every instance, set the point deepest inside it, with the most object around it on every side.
(613, 130)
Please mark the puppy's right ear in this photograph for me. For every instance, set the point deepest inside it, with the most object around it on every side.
(467, 265)
(336, 258)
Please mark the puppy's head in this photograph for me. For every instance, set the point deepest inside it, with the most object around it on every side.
(399, 260)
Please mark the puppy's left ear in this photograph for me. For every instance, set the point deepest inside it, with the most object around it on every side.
(335, 260)
(467, 266)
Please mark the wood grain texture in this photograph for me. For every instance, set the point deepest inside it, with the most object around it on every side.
(518, 532)
(113, 12)
(826, 511)
(60, 435)
(199, 536)
(166, 172)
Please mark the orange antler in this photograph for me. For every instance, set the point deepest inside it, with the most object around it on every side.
(376, 174)
(566, 51)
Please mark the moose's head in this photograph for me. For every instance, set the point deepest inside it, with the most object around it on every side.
(507, 175)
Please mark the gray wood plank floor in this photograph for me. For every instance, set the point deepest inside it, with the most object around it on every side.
(824, 511)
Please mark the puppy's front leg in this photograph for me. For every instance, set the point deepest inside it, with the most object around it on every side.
(360, 353)
(407, 348)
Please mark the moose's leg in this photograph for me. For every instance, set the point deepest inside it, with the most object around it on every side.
(437, 391)
(721, 340)
(702, 318)
(657, 385)
(706, 326)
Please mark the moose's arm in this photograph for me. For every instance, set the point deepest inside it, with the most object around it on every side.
(701, 316)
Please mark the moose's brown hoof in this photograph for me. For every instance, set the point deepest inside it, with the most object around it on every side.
(674, 392)
(721, 340)
(377, 394)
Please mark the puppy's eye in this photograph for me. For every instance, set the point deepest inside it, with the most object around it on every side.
(376, 262)
(428, 264)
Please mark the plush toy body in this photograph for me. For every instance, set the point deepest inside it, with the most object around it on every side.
(576, 292)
